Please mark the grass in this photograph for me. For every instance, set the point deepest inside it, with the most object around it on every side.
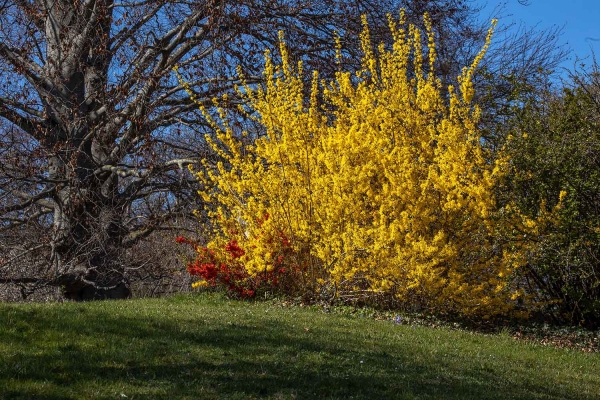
(203, 347)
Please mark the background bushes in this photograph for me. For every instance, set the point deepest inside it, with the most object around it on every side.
(555, 146)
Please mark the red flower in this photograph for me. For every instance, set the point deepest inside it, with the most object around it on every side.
(208, 271)
(234, 249)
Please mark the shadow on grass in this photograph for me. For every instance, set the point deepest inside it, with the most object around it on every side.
(78, 352)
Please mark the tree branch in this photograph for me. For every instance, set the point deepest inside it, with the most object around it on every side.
(29, 200)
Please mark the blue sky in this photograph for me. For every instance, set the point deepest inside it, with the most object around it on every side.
(580, 18)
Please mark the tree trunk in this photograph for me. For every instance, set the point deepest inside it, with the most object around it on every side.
(88, 230)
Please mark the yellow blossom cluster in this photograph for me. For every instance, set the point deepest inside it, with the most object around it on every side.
(378, 176)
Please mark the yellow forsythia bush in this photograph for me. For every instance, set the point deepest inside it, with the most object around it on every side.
(374, 182)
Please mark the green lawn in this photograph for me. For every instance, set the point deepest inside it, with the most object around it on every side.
(203, 347)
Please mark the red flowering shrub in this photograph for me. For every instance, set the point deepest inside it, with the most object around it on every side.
(225, 268)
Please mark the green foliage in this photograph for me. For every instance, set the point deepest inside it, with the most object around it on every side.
(203, 347)
(555, 146)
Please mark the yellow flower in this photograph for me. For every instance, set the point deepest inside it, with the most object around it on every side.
(200, 284)
(562, 195)
(385, 183)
